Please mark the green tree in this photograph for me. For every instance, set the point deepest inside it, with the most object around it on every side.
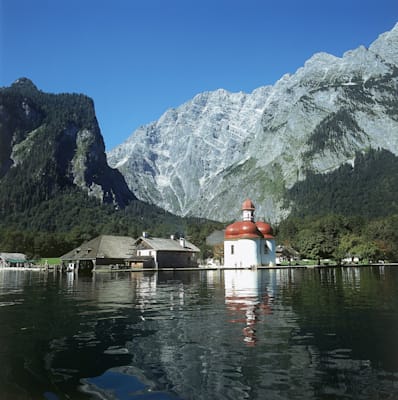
(384, 232)
(354, 245)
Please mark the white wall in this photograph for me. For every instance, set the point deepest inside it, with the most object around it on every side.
(245, 253)
(269, 257)
(148, 253)
(249, 252)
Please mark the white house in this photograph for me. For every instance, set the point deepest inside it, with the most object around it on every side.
(248, 243)
(164, 253)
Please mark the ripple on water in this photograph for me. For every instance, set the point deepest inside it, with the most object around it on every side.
(11, 303)
(123, 383)
(116, 350)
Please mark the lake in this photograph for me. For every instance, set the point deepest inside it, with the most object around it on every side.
(327, 333)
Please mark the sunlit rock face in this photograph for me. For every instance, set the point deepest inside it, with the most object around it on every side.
(205, 156)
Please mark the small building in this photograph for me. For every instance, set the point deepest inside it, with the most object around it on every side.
(104, 250)
(248, 243)
(286, 254)
(13, 260)
(164, 253)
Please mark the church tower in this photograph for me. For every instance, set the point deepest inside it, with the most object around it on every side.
(248, 210)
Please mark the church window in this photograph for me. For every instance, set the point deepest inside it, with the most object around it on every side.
(232, 249)
(266, 250)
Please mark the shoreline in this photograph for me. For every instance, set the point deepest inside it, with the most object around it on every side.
(206, 268)
(222, 268)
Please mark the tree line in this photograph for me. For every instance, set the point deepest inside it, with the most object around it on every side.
(62, 223)
(350, 211)
(337, 237)
(56, 226)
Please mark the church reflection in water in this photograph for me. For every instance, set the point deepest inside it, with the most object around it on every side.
(246, 300)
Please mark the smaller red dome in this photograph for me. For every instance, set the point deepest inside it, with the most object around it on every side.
(265, 229)
(248, 205)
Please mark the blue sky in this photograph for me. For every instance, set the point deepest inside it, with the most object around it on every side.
(137, 58)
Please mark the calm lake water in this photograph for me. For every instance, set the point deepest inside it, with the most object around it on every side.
(327, 333)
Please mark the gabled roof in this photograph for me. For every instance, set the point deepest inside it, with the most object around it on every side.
(161, 244)
(103, 246)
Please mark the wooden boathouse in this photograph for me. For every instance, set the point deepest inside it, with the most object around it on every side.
(104, 250)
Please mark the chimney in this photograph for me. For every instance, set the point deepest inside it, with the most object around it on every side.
(172, 237)
(145, 234)
(182, 242)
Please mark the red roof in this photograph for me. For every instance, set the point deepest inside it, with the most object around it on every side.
(248, 230)
(242, 229)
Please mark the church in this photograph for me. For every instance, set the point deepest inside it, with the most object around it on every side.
(248, 243)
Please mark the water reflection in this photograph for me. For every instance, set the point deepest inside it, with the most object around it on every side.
(246, 301)
(275, 334)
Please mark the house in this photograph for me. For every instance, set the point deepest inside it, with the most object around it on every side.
(286, 254)
(248, 243)
(13, 260)
(164, 253)
(104, 250)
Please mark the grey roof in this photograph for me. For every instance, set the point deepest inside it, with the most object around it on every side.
(287, 251)
(161, 244)
(13, 256)
(217, 237)
(104, 246)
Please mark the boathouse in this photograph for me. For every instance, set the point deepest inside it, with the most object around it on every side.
(104, 250)
(248, 243)
(164, 253)
(13, 260)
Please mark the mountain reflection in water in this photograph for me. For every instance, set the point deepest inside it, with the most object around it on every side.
(236, 334)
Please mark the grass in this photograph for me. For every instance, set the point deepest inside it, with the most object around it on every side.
(50, 261)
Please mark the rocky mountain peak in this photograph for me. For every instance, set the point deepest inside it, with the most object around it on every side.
(203, 157)
(386, 45)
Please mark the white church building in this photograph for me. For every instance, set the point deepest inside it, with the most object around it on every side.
(248, 243)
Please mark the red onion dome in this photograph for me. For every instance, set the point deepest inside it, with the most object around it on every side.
(248, 205)
(265, 229)
(242, 229)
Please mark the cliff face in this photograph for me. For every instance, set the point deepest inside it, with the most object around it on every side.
(207, 155)
(49, 143)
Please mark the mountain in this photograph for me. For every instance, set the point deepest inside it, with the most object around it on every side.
(50, 143)
(204, 157)
(56, 188)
